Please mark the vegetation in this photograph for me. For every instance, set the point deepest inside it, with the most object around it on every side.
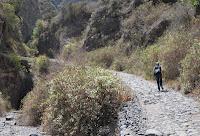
(102, 57)
(193, 2)
(77, 101)
(9, 14)
(39, 28)
(4, 105)
(15, 61)
(190, 74)
(172, 51)
(42, 64)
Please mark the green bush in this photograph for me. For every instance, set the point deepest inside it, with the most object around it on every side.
(193, 2)
(69, 51)
(148, 57)
(9, 14)
(39, 28)
(173, 48)
(134, 63)
(15, 61)
(16, 4)
(42, 64)
(190, 74)
(77, 101)
(102, 57)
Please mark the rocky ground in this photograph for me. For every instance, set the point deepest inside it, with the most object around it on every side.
(167, 113)
(9, 126)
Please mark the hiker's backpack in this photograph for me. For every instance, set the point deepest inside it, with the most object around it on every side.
(157, 70)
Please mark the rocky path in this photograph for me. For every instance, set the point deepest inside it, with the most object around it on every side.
(161, 113)
(9, 126)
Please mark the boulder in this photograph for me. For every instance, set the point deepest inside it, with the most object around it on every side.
(9, 118)
(153, 132)
(155, 31)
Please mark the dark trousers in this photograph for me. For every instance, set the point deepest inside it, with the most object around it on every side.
(159, 81)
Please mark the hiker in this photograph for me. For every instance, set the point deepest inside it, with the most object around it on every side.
(158, 75)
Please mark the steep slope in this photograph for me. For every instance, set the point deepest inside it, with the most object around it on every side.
(136, 23)
(32, 10)
(70, 22)
(15, 81)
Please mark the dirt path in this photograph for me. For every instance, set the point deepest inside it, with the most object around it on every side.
(9, 126)
(162, 113)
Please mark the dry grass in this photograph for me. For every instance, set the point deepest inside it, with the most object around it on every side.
(4, 106)
(91, 96)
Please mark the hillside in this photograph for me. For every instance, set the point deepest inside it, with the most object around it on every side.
(59, 56)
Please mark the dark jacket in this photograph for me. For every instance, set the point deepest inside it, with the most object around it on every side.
(157, 70)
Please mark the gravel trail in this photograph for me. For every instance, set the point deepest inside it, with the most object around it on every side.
(161, 113)
(9, 126)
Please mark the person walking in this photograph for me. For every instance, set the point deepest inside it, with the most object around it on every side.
(158, 75)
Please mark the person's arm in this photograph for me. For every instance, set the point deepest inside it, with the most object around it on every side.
(154, 71)
(160, 69)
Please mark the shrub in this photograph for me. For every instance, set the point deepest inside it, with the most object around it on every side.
(42, 64)
(190, 74)
(102, 57)
(174, 47)
(80, 101)
(9, 14)
(33, 104)
(69, 51)
(134, 63)
(149, 56)
(39, 28)
(15, 61)
(77, 101)
(120, 64)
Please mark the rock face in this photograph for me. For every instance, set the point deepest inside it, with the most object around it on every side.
(63, 27)
(31, 11)
(136, 23)
(155, 31)
(104, 26)
(14, 84)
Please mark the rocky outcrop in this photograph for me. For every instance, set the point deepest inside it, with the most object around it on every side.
(14, 83)
(155, 31)
(104, 26)
(70, 22)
